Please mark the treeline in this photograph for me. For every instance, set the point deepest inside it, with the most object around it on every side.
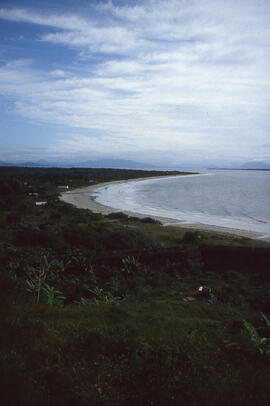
(59, 225)
(11, 178)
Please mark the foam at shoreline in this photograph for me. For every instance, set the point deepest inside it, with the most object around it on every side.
(123, 197)
(119, 196)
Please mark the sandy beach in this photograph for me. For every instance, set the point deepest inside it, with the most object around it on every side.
(85, 198)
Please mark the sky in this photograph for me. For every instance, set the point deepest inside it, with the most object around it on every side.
(175, 82)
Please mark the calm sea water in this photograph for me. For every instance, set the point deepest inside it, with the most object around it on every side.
(233, 199)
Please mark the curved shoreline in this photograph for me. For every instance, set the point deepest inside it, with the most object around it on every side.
(85, 198)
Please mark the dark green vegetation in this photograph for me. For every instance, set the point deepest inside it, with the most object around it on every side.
(77, 333)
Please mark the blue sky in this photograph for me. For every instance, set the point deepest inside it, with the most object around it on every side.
(179, 82)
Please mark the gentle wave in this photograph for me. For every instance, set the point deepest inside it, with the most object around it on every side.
(232, 199)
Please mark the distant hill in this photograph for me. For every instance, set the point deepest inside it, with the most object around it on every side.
(101, 163)
(39, 164)
(4, 163)
(256, 165)
(115, 163)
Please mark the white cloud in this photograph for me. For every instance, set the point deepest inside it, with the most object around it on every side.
(69, 22)
(59, 73)
(191, 74)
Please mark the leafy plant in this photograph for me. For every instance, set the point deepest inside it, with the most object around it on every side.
(97, 291)
(262, 344)
(12, 267)
(31, 286)
(83, 301)
(53, 295)
(265, 319)
(107, 298)
(37, 277)
(102, 297)
(131, 264)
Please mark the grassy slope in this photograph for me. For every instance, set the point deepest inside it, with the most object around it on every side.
(151, 347)
(150, 351)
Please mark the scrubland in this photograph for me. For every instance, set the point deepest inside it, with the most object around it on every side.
(74, 332)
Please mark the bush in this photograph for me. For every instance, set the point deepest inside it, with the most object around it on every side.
(150, 220)
(191, 237)
(117, 216)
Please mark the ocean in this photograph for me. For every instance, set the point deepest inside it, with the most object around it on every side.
(225, 198)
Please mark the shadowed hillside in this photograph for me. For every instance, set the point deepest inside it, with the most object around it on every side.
(106, 309)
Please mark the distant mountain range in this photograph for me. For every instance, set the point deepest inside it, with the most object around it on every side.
(252, 165)
(119, 163)
(101, 163)
(255, 165)
(116, 163)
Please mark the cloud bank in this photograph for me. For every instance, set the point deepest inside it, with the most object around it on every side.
(174, 79)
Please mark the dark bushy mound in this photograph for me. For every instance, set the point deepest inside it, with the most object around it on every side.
(150, 220)
(117, 215)
(191, 237)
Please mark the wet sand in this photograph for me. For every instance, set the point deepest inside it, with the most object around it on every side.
(85, 198)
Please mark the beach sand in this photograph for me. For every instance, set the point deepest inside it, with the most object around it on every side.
(85, 198)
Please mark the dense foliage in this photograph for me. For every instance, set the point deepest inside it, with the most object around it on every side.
(77, 333)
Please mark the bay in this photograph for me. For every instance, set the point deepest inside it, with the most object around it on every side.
(225, 198)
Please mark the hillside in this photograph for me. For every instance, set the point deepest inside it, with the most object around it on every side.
(92, 313)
